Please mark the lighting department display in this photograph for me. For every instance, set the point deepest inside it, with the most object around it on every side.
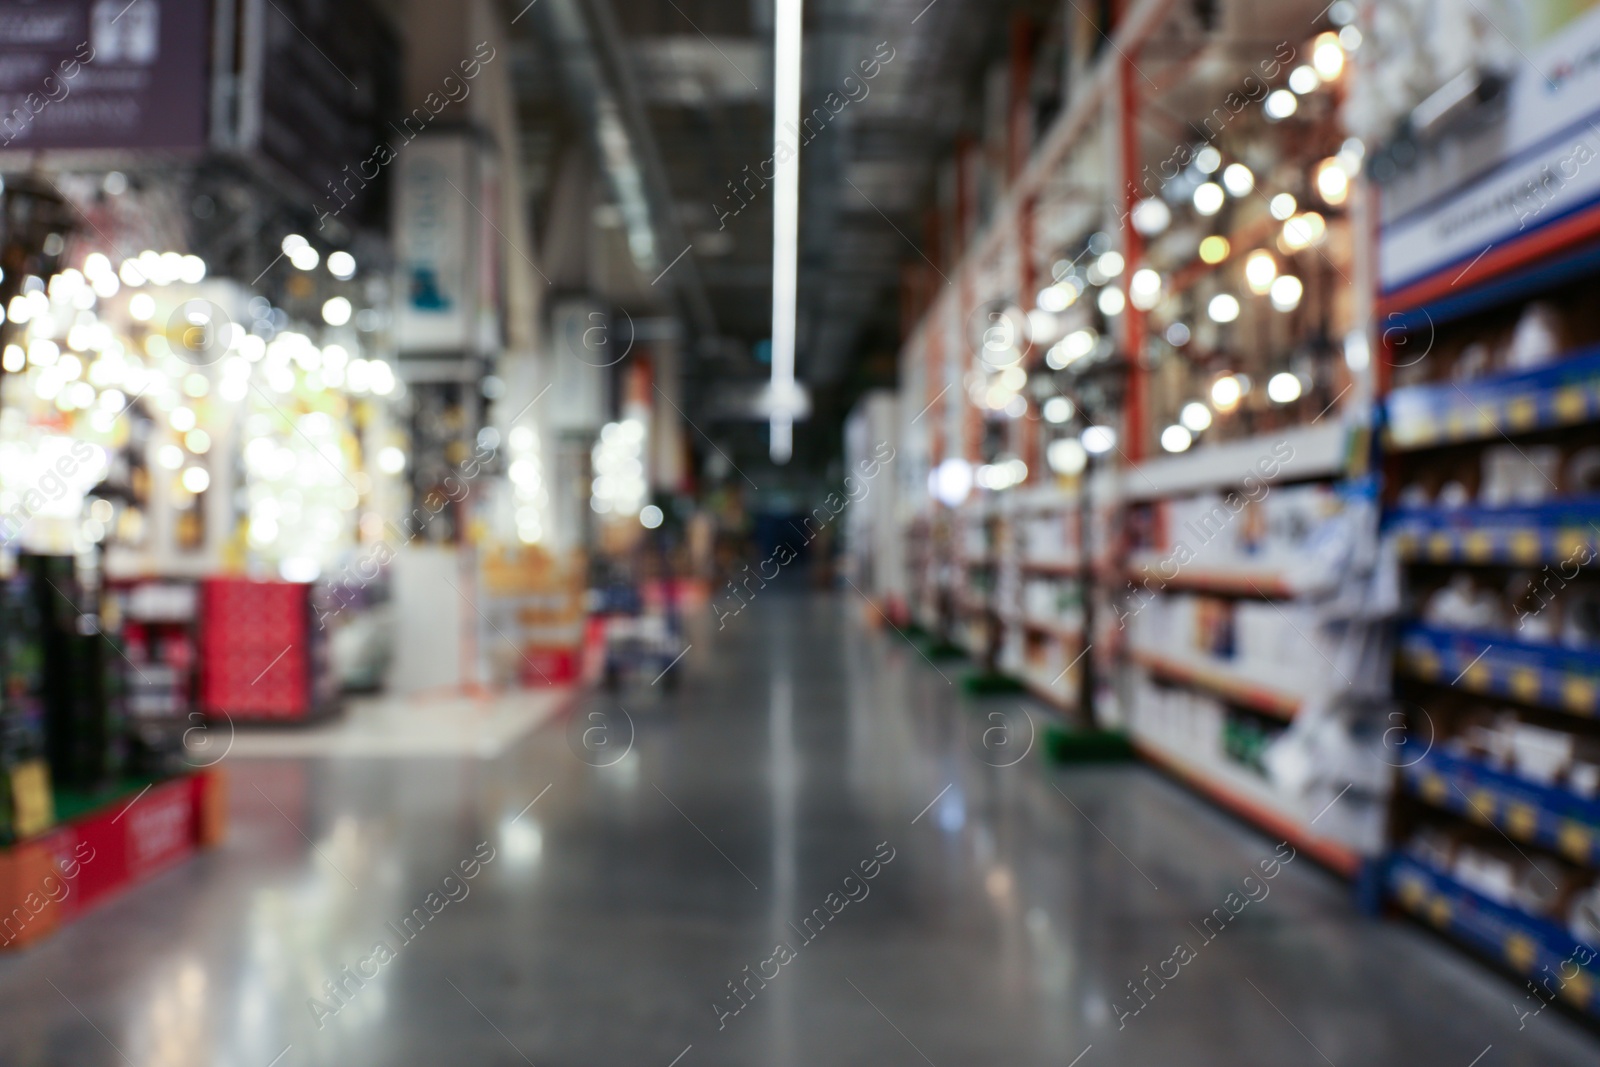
(161, 426)
(1248, 256)
(152, 373)
(530, 496)
(619, 480)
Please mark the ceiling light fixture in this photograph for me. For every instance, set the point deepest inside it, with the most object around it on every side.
(788, 31)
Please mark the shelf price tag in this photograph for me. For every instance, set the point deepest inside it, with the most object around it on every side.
(1522, 412)
(1478, 676)
(1521, 820)
(1485, 423)
(1424, 661)
(1483, 805)
(1521, 952)
(1435, 789)
(1571, 403)
(1571, 542)
(1576, 840)
(1578, 693)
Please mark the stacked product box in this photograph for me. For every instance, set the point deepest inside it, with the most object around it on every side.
(157, 620)
(81, 691)
(25, 807)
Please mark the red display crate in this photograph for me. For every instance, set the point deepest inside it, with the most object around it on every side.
(261, 655)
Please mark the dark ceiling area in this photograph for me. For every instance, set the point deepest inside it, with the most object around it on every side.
(692, 85)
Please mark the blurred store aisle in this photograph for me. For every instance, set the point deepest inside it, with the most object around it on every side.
(794, 774)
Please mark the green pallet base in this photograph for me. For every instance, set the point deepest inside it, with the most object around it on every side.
(943, 651)
(980, 683)
(70, 804)
(1086, 746)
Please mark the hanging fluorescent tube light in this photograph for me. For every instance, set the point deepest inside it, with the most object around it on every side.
(788, 28)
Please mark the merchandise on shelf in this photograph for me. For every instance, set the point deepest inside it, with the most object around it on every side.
(1544, 607)
(1228, 533)
(1048, 538)
(1528, 944)
(534, 604)
(1280, 647)
(1561, 816)
(1541, 887)
(1053, 604)
(1181, 719)
(1242, 759)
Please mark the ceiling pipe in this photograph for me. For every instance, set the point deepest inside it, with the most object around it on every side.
(589, 49)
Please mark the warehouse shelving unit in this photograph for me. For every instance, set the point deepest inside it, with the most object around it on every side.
(1221, 651)
(1474, 458)
(1025, 597)
(1489, 428)
(1047, 571)
(1470, 825)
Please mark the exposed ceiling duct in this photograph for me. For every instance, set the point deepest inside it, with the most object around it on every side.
(598, 76)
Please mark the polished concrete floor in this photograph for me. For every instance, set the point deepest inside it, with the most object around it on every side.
(674, 840)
